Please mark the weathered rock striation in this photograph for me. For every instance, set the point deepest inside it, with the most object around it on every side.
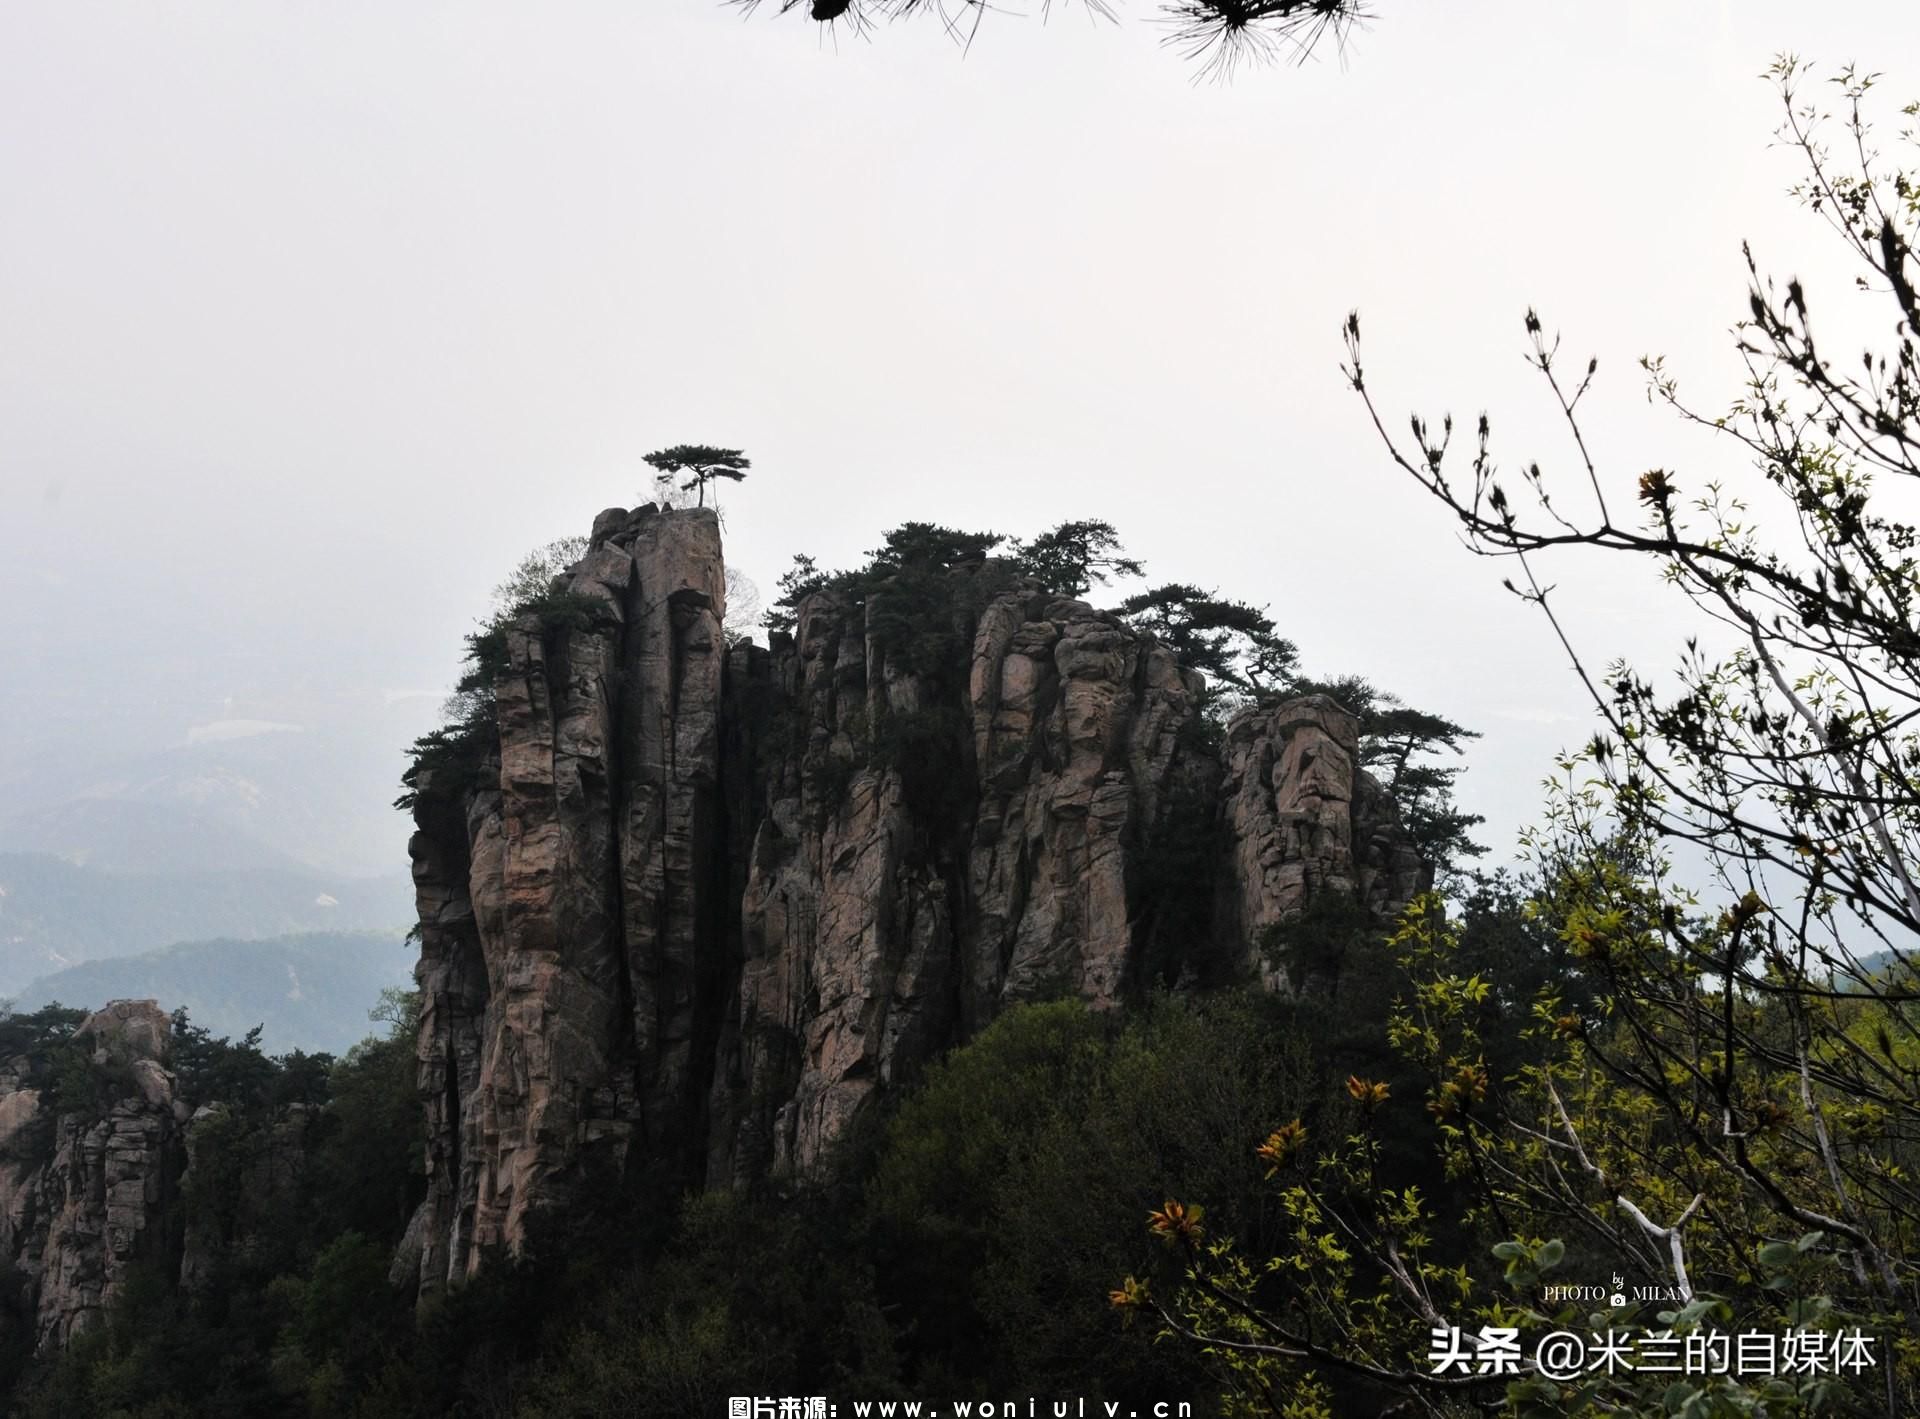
(692, 908)
(933, 847)
(1305, 822)
(567, 930)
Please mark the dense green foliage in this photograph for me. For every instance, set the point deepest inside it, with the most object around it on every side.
(1074, 556)
(914, 567)
(31, 1035)
(1231, 643)
(40, 1046)
(966, 1243)
(963, 1243)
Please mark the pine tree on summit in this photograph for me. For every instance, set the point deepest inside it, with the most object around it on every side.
(702, 463)
(1072, 557)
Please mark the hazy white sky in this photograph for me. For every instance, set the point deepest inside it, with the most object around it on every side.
(314, 317)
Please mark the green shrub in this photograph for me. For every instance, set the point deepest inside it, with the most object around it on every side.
(35, 1034)
(86, 1085)
(452, 757)
(931, 750)
(1011, 1188)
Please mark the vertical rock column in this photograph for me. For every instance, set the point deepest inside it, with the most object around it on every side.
(452, 976)
(1305, 824)
(846, 915)
(1077, 730)
(873, 938)
(542, 884)
(669, 872)
(564, 919)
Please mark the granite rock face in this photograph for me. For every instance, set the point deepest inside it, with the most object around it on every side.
(698, 906)
(1080, 727)
(1304, 822)
(565, 919)
(934, 847)
(85, 1190)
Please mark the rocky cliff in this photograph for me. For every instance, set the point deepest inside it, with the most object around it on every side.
(691, 909)
(108, 1167)
(90, 1158)
(1304, 824)
(928, 847)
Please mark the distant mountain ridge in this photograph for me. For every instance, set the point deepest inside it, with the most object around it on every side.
(310, 991)
(55, 913)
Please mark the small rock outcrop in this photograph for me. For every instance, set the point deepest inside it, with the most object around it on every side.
(89, 1163)
(1305, 822)
(694, 907)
